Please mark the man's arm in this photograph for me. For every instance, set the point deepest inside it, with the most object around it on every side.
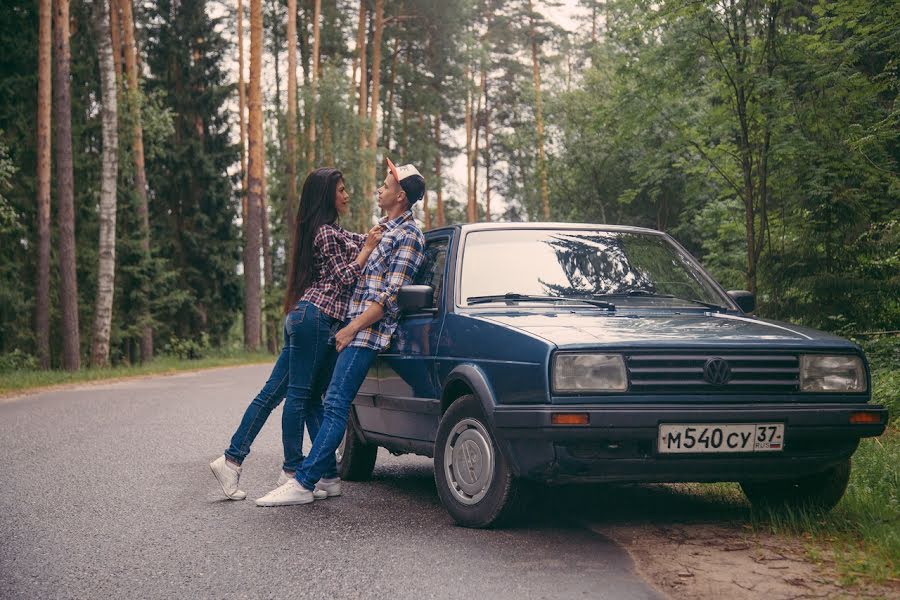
(369, 317)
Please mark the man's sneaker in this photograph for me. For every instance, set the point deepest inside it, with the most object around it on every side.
(228, 476)
(326, 488)
(289, 493)
(283, 478)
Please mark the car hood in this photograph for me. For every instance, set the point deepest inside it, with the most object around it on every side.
(588, 328)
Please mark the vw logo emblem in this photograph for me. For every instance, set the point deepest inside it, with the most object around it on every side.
(716, 371)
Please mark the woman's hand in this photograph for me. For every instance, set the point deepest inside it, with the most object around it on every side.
(373, 238)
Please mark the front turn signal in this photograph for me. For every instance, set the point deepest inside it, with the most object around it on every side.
(570, 418)
(865, 418)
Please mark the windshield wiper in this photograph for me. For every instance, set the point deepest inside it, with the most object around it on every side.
(530, 298)
(649, 294)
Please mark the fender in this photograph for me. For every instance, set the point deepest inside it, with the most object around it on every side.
(477, 381)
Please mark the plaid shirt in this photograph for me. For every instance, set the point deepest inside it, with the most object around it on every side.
(393, 264)
(335, 270)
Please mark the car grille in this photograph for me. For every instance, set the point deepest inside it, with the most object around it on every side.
(689, 372)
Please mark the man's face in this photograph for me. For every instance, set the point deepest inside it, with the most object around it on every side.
(390, 194)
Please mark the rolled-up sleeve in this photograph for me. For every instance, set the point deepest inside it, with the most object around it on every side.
(401, 271)
(338, 262)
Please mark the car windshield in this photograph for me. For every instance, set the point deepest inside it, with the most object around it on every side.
(632, 268)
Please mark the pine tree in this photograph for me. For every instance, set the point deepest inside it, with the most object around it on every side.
(195, 207)
(42, 314)
(65, 186)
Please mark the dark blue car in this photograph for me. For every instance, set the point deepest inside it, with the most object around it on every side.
(583, 353)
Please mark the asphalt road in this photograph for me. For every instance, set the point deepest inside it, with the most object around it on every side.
(105, 493)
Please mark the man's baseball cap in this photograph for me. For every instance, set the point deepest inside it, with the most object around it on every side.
(410, 180)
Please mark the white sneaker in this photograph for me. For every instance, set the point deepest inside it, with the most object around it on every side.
(327, 488)
(228, 476)
(283, 478)
(289, 493)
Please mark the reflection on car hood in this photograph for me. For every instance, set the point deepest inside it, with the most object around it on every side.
(588, 328)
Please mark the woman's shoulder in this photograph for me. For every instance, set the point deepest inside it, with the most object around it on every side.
(329, 234)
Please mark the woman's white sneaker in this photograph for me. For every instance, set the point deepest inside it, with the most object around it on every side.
(285, 495)
(327, 488)
(228, 476)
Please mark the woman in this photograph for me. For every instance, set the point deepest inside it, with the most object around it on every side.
(325, 263)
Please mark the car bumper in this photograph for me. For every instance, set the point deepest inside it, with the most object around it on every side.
(619, 442)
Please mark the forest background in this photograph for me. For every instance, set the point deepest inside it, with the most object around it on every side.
(147, 185)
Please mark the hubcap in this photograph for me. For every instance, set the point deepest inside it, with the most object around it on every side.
(469, 461)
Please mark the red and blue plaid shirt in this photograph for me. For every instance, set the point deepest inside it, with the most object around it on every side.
(392, 264)
(335, 270)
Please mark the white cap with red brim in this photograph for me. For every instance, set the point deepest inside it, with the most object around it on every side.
(401, 173)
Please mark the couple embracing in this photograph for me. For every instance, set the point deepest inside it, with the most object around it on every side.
(341, 306)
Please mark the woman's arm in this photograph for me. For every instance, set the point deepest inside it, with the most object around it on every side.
(336, 263)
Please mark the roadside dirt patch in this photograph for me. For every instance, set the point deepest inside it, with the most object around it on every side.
(704, 561)
(700, 546)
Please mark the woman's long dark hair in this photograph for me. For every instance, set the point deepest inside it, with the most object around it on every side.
(316, 209)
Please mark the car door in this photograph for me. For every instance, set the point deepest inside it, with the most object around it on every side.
(407, 403)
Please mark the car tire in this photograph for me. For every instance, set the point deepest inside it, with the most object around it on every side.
(819, 491)
(355, 458)
(474, 479)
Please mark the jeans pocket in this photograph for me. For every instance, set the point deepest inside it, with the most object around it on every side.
(296, 316)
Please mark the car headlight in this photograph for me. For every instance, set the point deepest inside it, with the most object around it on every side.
(832, 373)
(589, 373)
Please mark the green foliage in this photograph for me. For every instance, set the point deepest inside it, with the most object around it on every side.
(189, 349)
(17, 361)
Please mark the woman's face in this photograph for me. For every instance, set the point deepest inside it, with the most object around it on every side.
(342, 199)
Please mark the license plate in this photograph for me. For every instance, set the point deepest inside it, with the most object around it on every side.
(720, 437)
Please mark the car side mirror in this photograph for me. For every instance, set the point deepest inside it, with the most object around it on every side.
(415, 298)
(744, 299)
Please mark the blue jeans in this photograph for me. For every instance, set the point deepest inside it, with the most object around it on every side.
(301, 372)
(349, 373)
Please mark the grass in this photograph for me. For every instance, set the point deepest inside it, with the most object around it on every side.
(14, 382)
(863, 531)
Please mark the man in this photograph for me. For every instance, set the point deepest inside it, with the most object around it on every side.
(372, 320)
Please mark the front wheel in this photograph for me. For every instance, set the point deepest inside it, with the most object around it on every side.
(355, 458)
(819, 491)
(474, 480)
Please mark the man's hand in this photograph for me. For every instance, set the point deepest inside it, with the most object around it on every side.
(343, 337)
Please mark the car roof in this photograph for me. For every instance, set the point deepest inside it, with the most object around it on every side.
(467, 227)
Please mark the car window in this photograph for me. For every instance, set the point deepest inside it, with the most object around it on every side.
(632, 267)
(432, 270)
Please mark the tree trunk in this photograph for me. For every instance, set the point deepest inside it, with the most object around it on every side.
(539, 117)
(65, 188)
(242, 108)
(389, 99)
(252, 303)
(476, 117)
(291, 117)
(363, 100)
(312, 110)
(376, 91)
(268, 273)
(471, 215)
(137, 151)
(115, 30)
(359, 55)
(106, 271)
(438, 184)
(45, 52)
(487, 155)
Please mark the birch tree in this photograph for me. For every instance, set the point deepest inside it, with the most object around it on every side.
(107, 246)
